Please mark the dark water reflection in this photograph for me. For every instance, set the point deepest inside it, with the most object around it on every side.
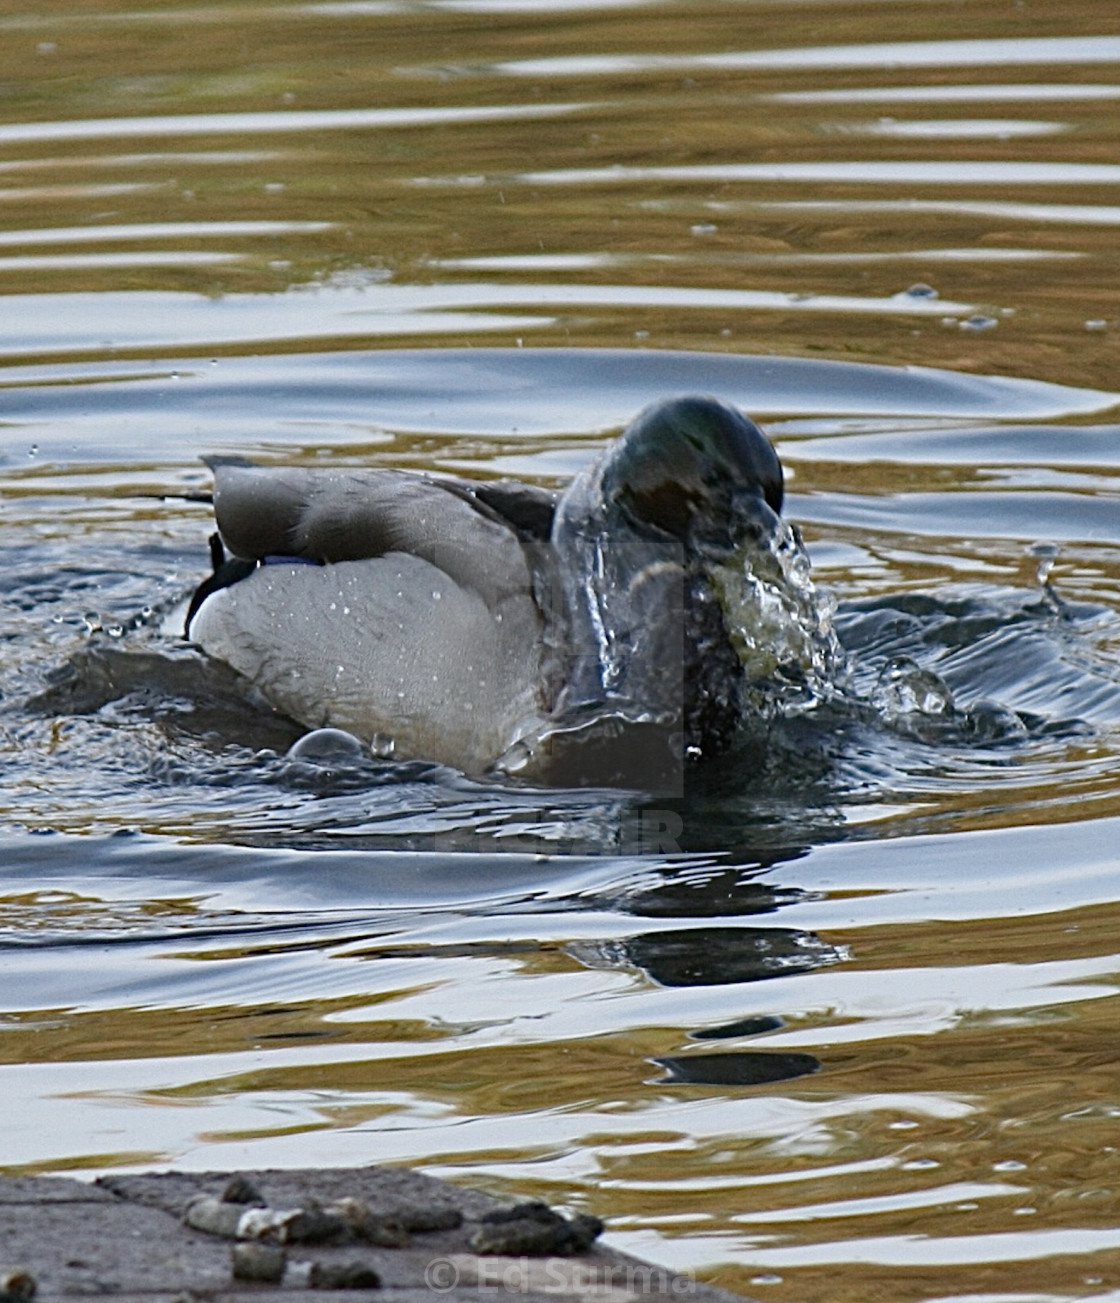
(474, 239)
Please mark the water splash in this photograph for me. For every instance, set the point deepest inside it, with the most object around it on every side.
(780, 623)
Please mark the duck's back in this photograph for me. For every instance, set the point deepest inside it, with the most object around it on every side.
(385, 604)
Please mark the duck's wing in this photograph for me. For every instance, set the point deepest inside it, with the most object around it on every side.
(416, 620)
(327, 516)
(389, 648)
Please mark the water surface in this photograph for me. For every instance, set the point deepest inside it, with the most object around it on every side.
(835, 1025)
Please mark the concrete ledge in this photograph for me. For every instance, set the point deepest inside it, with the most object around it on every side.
(124, 1238)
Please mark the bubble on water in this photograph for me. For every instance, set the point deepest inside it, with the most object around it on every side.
(919, 291)
(703, 228)
(905, 693)
(979, 321)
(1096, 323)
(383, 746)
(326, 746)
(991, 721)
(1045, 555)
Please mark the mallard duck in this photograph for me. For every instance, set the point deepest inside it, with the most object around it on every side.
(571, 639)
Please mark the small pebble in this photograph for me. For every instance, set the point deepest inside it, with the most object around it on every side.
(214, 1216)
(315, 1226)
(17, 1285)
(254, 1260)
(311, 1225)
(241, 1190)
(534, 1230)
(343, 1275)
(387, 1232)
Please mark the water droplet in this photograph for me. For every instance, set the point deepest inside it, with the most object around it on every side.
(382, 745)
(979, 321)
(1045, 554)
(515, 759)
(436, 594)
(921, 291)
(905, 690)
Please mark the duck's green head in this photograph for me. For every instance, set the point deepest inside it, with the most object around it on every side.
(689, 466)
(680, 589)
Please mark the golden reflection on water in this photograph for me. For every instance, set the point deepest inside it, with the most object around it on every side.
(333, 198)
(627, 176)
